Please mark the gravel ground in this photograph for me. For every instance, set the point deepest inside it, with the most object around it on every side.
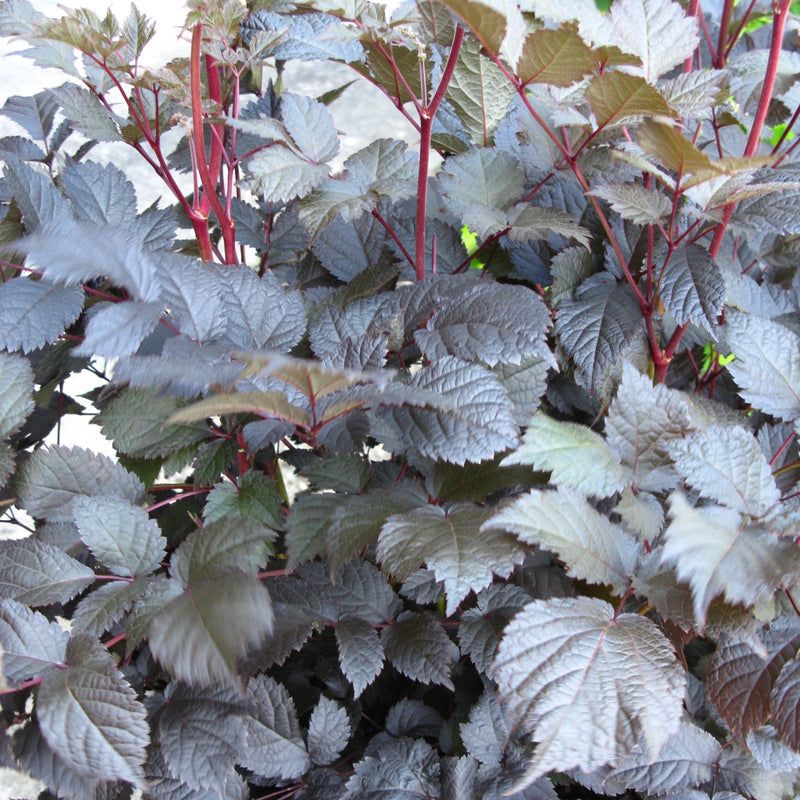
(361, 115)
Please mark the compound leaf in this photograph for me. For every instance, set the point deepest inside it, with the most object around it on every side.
(490, 323)
(16, 393)
(693, 289)
(274, 747)
(419, 648)
(575, 455)
(90, 716)
(38, 574)
(256, 496)
(54, 475)
(635, 202)
(360, 652)
(201, 732)
(727, 465)
(328, 731)
(120, 536)
(86, 113)
(716, 552)
(629, 694)
(280, 175)
(462, 555)
(311, 127)
(767, 363)
(563, 522)
(31, 645)
(34, 313)
(740, 681)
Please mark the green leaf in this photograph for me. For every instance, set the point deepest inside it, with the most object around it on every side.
(256, 496)
(340, 472)
(360, 652)
(563, 522)
(39, 574)
(475, 482)
(30, 644)
(617, 97)
(629, 694)
(489, 20)
(215, 549)
(307, 526)
(727, 465)
(16, 393)
(767, 363)
(418, 647)
(86, 113)
(136, 422)
(402, 768)
(120, 536)
(268, 404)
(53, 476)
(274, 747)
(357, 520)
(536, 222)
(559, 57)
(90, 716)
(478, 92)
(717, 553)
(576, 456)
(452, 544)
(221, 620)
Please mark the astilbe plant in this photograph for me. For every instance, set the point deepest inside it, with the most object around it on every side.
(543, 399)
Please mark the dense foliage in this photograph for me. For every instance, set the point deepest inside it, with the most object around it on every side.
(539, 380)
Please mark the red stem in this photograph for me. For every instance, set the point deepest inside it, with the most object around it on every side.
(426, 115)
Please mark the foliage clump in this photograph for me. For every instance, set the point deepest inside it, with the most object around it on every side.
(542, 395)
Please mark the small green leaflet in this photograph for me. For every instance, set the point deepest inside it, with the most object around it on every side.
(616, 97)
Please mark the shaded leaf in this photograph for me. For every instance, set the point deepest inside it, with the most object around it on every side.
(693, 288)
(256, 496)
(727, 465)
(38, 574)
(486, 732)
(307, 526)
(103, 607)
(274, 747)
(360, 652)
(740, 681)
(418, 647)
(716, 552)
(452, 544)
(120, 536)
(30, 644)
(575, 455)
(598, 325)
(328, 731)
(563, 522)
(34, 313)
(629, 692)
(784, 704)
(90, 716)
(201, 733)
(413, 718)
